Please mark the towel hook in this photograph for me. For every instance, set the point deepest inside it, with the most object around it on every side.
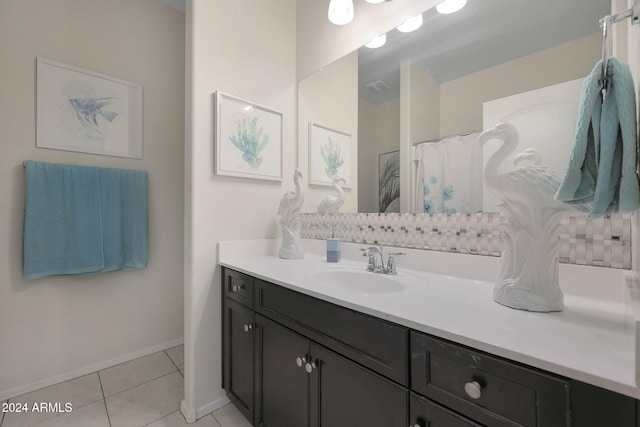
(606, 23)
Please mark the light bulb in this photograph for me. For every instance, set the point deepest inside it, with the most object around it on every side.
(450, 6)
(377, 41)
(340, 11)
(410, 24)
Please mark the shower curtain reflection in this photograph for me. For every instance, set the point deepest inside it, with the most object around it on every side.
(449, 175)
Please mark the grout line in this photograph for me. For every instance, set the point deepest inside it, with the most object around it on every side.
(104, 399)
(174, 363)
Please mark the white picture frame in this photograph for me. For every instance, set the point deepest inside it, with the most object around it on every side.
(88, 112)
(329, 155)
(248, 139)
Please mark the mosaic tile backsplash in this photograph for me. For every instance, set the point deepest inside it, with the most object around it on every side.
(604, 242)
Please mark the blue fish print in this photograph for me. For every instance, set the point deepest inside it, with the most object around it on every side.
(88, 110)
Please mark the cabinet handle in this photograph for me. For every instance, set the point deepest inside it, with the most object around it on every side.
(473, 389)
(235, 288)
(247, 328)
(309, 367)
(300, 361)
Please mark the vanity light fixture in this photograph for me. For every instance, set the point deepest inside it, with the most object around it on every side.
(410, 24)
(450, 6)
(377, 41)
(340, 11)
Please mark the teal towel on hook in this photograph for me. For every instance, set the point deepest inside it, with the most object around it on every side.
(83, 220)
(602, 166)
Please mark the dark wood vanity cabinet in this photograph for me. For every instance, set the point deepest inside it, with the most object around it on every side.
(489, 390)
(291, 360)
(238, 319)
(302, 383)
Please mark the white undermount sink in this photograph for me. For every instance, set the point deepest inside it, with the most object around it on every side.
(362, 281)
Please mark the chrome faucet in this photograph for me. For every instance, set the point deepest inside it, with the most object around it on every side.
(376, 260)
(376, 263)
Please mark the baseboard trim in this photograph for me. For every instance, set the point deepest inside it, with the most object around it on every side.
(85, 370)
(211, 406)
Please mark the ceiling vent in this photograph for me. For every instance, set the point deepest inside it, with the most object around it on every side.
(377, 86)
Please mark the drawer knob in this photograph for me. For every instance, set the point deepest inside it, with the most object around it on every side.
(235, 288)
(473, 389)
(247, 328)
(300, 361)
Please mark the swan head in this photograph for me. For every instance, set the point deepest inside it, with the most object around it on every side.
(529, 155)
(297, 174)
(338, 178)
(502, 131)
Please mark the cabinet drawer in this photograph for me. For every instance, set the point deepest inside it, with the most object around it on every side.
(485, 388)
(377, 344)
(425, 413)
(238, 287)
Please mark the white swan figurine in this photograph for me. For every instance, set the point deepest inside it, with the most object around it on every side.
(528, 278)
(288, 210)
(333, 202)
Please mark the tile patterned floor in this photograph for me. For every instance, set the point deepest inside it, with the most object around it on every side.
(144, 392)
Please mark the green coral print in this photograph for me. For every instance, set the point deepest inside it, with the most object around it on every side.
(332, 159)
(250, 140)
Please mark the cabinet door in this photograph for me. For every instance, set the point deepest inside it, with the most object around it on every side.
(425, 413)
(238, 362)
(345, 394)
(282, 385)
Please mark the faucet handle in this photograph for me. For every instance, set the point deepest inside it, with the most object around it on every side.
(391, 262)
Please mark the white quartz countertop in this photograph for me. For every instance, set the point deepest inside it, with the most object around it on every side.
(591, 340)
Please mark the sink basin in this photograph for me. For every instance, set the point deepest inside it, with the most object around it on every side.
(362, 281)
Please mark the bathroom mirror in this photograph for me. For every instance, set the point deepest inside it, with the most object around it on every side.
(434, 82)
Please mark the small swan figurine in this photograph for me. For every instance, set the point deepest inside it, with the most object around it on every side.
(288, 210)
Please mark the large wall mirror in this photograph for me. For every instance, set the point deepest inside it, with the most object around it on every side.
(438, 81)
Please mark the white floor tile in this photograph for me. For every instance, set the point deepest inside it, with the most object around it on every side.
(229, 416)
(92, 415)
(176, 419)
(139, 371)
(146, 403)
(78, 392)
(177, 355)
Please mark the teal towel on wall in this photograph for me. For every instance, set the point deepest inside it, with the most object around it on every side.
(124, 218)
(62, 220)
(602, 166)
(83, 220)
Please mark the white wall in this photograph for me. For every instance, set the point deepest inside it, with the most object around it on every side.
(61, 327)
(330, 98)
(367, 155)
(425, 106)
(246, 49)
(462, 99)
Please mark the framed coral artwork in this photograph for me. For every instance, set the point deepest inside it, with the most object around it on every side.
(329, 155)
(248, 139)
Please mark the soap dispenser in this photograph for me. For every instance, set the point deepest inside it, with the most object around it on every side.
(333, 249)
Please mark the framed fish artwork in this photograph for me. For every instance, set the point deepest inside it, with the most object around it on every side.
(85, 111)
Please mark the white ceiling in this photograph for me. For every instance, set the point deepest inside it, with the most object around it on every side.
(483, 34)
